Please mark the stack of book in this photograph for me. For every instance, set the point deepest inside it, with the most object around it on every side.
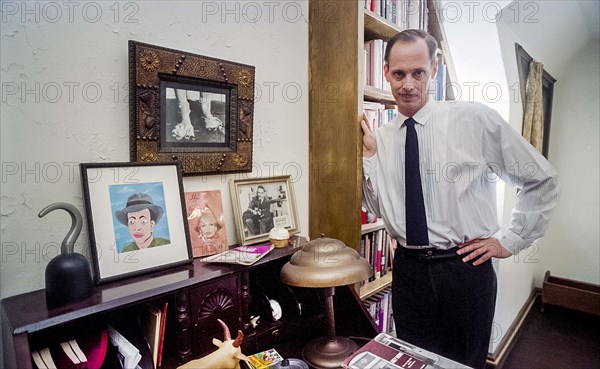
(403, 14)
(377, 248)
(379, 307)
(374, 51)
(378, 114)
(129, 355)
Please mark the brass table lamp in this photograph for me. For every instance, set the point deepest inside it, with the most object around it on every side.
(326, 263)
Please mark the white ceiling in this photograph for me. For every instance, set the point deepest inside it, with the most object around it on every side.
(565, 25)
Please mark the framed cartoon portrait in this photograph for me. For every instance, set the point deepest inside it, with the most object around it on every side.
(205, 222)
(261, 204)
(135, 214)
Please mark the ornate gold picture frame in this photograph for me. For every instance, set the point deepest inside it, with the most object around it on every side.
(190, 108)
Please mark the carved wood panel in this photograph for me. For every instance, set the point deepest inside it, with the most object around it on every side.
(218, 300)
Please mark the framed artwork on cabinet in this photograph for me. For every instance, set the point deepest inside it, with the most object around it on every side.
(206, 222)
(263, 203)
(190, 108)
(135, 214)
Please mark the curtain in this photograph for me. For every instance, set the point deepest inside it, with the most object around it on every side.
(533, 120)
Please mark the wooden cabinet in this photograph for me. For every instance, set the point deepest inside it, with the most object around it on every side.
(197, 294)
(218, 299)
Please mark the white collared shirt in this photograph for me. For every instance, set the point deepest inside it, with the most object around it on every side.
(464, 148)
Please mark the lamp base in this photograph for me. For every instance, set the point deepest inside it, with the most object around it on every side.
(322, 353)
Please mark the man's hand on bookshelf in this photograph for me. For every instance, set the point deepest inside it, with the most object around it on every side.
(369, 141)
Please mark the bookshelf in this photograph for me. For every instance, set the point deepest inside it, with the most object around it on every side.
(336, 103)
(374, 240)
(30, 325)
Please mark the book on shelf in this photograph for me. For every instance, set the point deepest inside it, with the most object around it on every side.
(71, 356)
(368, 227)
(386, 351)
(376, 247)
(368, 217)
(66, 348)
(37, 360)
(378, 114)
(77, 350)
(129, 356)
(379, 252)
(385, 298)
(243, 255)
(375, 51)
(150, 322)
(163, 325)
(65, 355)
(415, 14)
(383, 262)
(379, 307)
(393, 11)
(43, 359)
(371, 306)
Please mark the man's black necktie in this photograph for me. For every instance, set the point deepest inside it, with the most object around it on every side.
(416, 220)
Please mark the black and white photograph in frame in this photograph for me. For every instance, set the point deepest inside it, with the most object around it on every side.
(195, 109)
(195, 114)
(261, 204)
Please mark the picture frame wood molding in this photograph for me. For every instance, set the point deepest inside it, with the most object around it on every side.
(136, 218)
(210, 129)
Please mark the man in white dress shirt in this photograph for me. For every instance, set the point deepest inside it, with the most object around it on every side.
(444, 285)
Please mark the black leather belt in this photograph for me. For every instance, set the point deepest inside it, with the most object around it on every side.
(428, 254)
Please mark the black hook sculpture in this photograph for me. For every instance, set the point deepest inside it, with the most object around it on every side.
(68, 275)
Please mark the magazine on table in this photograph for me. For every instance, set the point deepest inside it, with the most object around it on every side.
(388, 352)
(243, 255)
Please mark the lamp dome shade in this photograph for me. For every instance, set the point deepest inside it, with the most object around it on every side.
(325, 262)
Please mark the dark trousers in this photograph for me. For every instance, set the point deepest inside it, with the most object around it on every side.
(445, 306)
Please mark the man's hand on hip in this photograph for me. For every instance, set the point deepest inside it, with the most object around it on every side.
(369, 142)
(482, 249)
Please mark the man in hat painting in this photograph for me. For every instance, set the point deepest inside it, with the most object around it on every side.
(140, 215)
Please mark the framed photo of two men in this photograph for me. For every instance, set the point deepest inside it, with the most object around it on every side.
(135, 214)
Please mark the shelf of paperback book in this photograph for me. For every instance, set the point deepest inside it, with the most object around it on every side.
(376, 248)
(378, 27)
(373, 287)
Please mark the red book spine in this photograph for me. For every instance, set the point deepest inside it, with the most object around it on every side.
(163, 324)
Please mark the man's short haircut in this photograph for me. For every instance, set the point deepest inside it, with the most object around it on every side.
(412, 35)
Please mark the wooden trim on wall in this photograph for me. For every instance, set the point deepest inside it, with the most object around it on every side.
(335, 110)
(496, 359)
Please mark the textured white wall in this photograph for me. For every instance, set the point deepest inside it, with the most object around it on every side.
(64, 73)
(571, 248)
